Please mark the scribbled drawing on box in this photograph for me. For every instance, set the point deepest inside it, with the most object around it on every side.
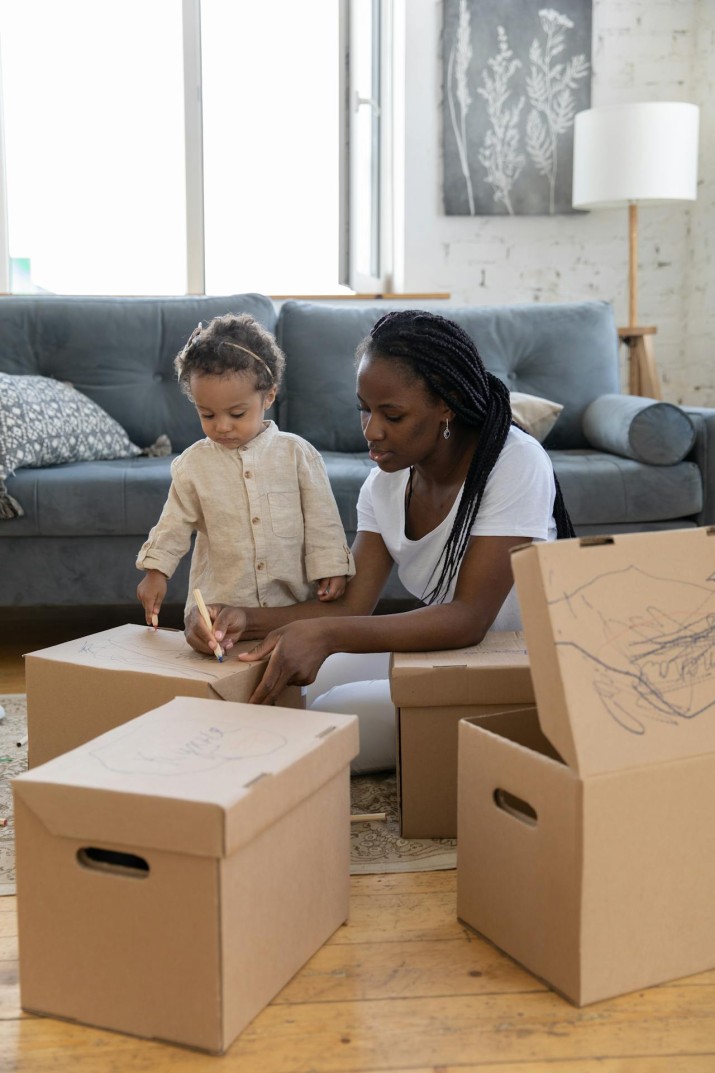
(646, 664)
(185, 747)
(515, 75)
(133, 653)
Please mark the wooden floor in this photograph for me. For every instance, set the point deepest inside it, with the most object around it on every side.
(403, 987)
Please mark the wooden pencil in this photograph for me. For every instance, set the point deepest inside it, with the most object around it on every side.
(203, 611)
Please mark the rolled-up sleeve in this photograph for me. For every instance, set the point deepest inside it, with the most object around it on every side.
(170, 539)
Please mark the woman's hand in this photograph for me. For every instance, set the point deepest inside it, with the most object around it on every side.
(229, 624)
(296, 652)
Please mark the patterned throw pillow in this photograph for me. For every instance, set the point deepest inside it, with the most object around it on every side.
(44, 422)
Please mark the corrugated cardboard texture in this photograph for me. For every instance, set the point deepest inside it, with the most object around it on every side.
(519, 883)
(433, 691)
(610, 889)
(427, 767)
(492, 672)
(87, 686)
(190, 776)
(621, 638)
(601, 882)
(244, 839)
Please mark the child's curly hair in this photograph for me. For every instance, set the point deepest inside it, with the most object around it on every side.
(233, 343)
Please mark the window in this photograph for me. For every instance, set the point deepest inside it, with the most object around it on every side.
(94, 145)
(173, 145)
(271, 145)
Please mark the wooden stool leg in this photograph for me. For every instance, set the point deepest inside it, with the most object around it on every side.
(643, 378)
(643, 372)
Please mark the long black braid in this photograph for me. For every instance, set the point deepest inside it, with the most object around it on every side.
(446, 358)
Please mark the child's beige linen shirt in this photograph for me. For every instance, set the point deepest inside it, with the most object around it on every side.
(267, 525)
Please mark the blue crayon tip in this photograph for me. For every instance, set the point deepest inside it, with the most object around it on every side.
(220, 659)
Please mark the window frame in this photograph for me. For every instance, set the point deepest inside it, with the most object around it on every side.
(193, 148)
(376, 277)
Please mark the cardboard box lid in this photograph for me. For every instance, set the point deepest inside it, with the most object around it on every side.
(158, 652)
(495, 671)
(191, 776)
(621, 638)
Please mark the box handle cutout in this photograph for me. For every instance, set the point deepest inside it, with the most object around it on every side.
(520, 810)
(111, 860)
(324, 733)
(594, 541)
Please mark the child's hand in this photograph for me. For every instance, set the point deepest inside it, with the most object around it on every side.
(151, 591)
(331, 588)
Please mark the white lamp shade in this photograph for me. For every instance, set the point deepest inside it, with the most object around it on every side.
(635, 152)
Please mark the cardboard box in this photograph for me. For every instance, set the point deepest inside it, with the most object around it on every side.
(174, 873)
(586, 833)
(432, 691)
(84, 687)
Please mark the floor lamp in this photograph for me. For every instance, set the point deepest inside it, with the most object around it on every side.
(627, 154)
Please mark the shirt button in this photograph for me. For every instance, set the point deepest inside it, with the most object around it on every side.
(255, 520)
(259, 566)
(247, 473)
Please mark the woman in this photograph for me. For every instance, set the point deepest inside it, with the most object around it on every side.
(455, 488)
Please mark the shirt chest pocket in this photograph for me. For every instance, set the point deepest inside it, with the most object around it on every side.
(286, 515)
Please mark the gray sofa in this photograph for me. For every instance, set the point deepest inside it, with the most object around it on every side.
(84, 521)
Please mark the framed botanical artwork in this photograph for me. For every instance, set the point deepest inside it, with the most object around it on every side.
(515, 75)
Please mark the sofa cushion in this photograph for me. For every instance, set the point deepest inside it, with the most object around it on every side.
(603, 489)
(110, 498)
(657, 433)
(118, 351)
(347, 473)
(565, 352)
(80, 570)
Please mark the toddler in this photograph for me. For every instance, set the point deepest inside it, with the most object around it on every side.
(259, 500)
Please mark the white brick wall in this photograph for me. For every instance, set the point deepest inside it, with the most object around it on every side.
(642, 50)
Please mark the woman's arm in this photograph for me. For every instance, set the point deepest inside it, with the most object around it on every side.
(297, 650)
(373, 564)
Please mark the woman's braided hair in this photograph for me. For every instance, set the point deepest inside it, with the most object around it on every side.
(439, 352)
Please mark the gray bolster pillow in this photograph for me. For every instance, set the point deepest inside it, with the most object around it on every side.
(658, 433)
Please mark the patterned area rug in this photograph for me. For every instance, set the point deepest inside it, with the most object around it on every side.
(375, 845)
(13, 760)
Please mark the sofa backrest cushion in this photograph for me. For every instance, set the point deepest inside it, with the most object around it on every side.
(118, 351)
(566, 352)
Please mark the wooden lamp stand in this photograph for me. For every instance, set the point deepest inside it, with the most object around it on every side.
(643, 378)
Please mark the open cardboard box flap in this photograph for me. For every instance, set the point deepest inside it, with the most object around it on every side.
(193, 777)
(500, 662)
(621, 639)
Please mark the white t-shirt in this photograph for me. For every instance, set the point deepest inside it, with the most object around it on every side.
(518, 501)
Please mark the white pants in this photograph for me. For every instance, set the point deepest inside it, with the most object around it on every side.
(358, 684)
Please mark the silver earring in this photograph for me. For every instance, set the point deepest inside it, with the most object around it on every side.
(446, 432)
